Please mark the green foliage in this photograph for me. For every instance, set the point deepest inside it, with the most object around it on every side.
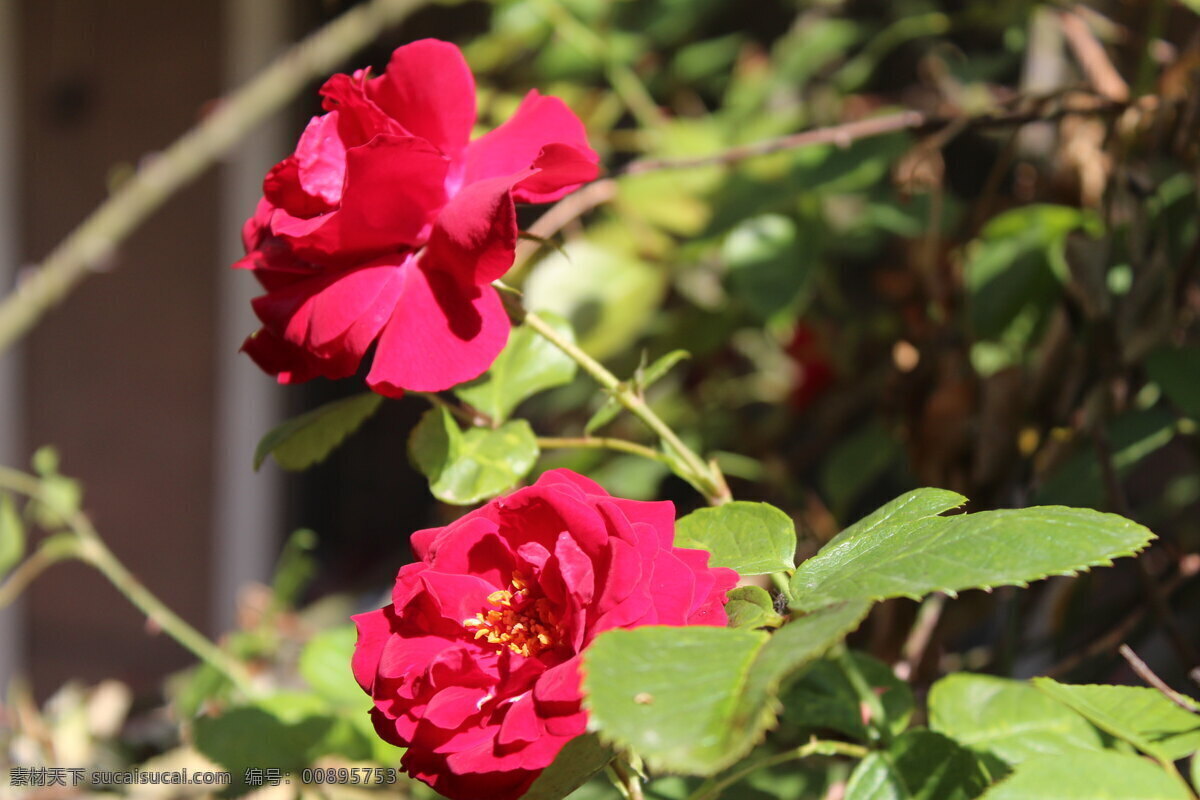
(1177, 371)
(643, 378)
(323, 664)
(464, 468)
(1089, 776)
(751, 538)
(583, 757)
(767, 267)
(309, 438)
(826, 698)
(1006, 721)
(528, 364)
(1141, 716)
(12, 534)
(288, 731)
(919, 765)
(752, 607)
(697, 699)
(906, 550)
(59, 497)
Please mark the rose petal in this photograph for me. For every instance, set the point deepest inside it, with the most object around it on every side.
(440, 335)
(428, 88)
(560, 170)
(519, 142)
(475, 235)
(373, 632)
(360, 119)
(292, 364)
(321, 159)
(394, 187)
(557, 691)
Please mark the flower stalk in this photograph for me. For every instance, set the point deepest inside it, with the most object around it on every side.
(689, 466)
(84, 543)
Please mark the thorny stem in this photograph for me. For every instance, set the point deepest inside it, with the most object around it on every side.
(689, 465)
(85, 544)
(712, 788)
(600, 443)
(91, 244)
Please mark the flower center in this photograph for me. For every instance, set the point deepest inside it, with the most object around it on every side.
(524, 623)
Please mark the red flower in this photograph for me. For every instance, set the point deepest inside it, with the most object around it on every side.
(475, 665)
(388, 225)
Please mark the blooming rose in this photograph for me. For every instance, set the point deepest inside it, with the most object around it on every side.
(387, 224)
(475, 665)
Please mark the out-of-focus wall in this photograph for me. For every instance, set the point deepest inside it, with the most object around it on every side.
(126, 377)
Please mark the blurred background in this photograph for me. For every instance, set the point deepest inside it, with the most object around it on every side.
(1007, 310)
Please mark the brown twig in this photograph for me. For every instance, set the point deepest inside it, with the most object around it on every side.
(1091, 57)
(919, 637)
(847, 133)
(1145, 673)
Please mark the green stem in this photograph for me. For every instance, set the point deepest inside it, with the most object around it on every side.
(600, 443)
(84, 543)
(51, 552)
(711, 789)
(689, 465)
(627, 778)
(93, 242)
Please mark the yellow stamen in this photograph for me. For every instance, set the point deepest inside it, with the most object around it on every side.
(524, 623)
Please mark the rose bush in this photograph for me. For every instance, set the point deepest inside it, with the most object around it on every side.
(387, 225)
(475, 665)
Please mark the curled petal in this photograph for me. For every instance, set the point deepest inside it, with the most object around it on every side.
(516, 145)
(475, 235)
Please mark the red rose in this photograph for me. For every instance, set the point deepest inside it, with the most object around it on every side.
(387, 224)
(475, 665)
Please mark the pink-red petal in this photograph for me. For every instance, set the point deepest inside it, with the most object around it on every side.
(475, 235)
(440, 335)
(514, 146)
(429, 89)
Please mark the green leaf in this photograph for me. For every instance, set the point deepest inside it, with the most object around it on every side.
(644, 378)
(256, 736)
(1006, 721)
(309, 438)
(906, 550)
(464, 468)
(325, 666)
(751, 538)
(1089, 776)
(752, 607)
(602, 285)
(582, 758)
(605, 414)
(1135, 714)
(824, 697)
(1177, 372)
(1196, 772)
(12, 534)
(295, 567)
(919, 765)
(527, 365)
(697, 699)
(768, 269)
